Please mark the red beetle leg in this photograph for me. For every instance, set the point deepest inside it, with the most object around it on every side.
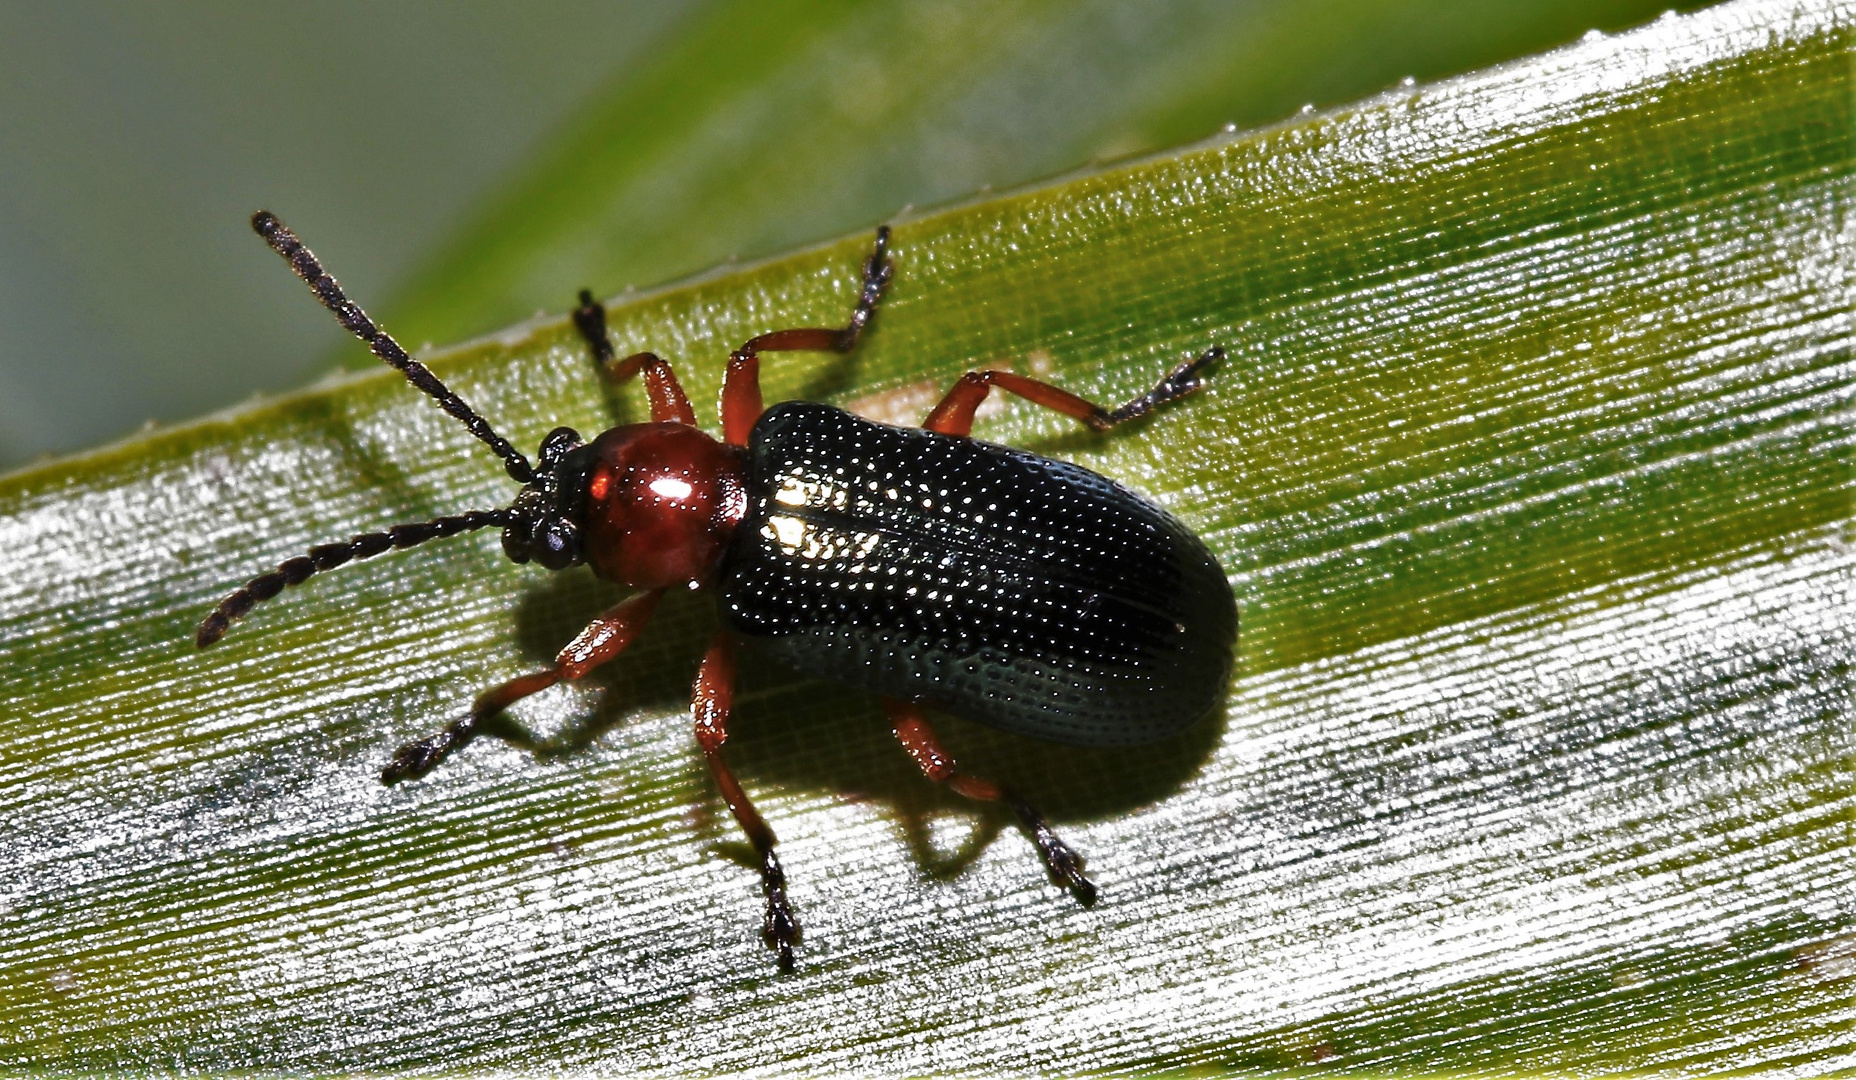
(603, 639)
(668, 401)
(741, 398)
(954, 415)
(919, 739)
(711, 700)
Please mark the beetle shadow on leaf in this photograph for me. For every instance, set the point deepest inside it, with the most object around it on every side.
(827, 381)
(794, 733)
(395, 485)
(812, 736)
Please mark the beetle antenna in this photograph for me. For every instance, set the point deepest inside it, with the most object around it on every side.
(329, 556)
(350, 315)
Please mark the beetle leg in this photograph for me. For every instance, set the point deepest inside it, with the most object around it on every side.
(603, 639)
(919, 739)
(741, 400)
(837, 339)
(954, 415)
(668, 401)
(710, 702)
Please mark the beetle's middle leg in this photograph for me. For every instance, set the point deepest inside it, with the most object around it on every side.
(741, 400)
(711, 701)
(954, 415)
(603, 639)
(919, 739)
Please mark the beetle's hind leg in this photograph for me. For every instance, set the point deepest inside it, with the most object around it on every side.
(954, 415)
(919, 739)
(741, 400)
(603, 639)
(711, 701)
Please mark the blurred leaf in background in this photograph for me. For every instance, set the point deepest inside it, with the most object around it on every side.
(481, 161)
(136, 139)
(773, 124)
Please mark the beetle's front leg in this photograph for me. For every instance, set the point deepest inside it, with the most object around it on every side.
(603, 639)
(919, 739)
(710, 703)
(668, 401)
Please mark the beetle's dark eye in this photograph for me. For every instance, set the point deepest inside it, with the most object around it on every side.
(557, 545)
(515, 538)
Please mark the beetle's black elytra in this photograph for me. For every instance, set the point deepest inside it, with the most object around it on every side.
(1027, 593)
(919, 564)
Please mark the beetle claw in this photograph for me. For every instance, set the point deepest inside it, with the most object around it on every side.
(1188, 377)
(1066, 867)
(412, 761)
(781, 930)
(421, 756)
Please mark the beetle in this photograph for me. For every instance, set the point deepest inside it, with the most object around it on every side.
(919, 564)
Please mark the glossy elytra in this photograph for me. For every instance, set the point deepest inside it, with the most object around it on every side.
(917, 563)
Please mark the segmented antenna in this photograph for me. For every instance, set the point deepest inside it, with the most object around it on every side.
(350, 315)
(329, 556)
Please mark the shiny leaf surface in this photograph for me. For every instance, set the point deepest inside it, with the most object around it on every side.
(1531, 465)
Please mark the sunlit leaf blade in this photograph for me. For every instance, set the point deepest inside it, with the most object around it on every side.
(1531, 464)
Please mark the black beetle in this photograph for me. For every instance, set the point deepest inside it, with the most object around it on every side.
(919, 564)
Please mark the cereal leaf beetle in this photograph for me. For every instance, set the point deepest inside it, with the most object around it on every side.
(919, 564)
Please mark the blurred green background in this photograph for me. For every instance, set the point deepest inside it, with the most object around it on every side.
(464, 164)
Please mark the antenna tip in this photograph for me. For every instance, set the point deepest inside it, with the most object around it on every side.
(211, 630)
(264, 223)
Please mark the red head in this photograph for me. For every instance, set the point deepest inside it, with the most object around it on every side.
(646, 505)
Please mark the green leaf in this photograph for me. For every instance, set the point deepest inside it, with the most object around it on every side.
(1532, 467)
(770, 123)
